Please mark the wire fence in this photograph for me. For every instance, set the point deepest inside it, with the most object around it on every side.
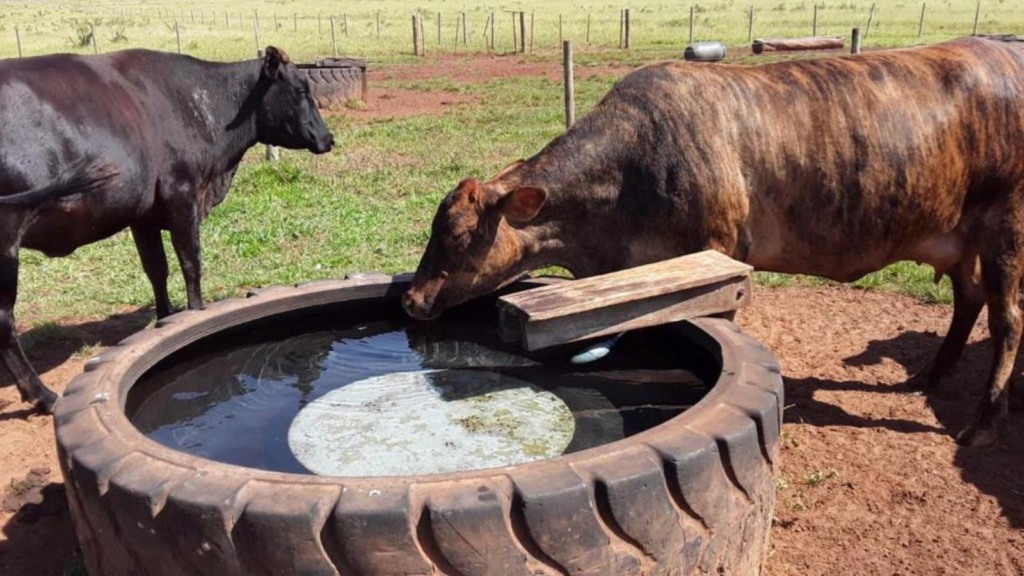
(223, 32)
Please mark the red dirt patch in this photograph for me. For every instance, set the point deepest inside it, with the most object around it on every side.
(389, 102)
(401, 103)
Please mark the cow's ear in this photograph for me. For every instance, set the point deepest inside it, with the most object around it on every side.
(522, 204)
(272, 62)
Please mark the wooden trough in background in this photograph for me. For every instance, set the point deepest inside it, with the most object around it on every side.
(701, 284)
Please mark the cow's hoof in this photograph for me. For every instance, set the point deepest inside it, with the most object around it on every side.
(976, 437)
(46, 402)
(924, 380)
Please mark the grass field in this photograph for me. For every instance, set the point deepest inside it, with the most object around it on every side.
(367, 205)
(225, 30)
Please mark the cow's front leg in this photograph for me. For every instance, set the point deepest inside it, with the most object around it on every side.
(968, 300)
(1001, 273)
(184, 227)
(154, 262)
(31, 388)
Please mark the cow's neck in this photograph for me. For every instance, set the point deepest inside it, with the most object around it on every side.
(581, 227)
(239, 101)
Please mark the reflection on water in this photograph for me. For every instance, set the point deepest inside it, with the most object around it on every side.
(233, 397)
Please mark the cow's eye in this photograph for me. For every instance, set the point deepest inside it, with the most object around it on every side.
(460, 240)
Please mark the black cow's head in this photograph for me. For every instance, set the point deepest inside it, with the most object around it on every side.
(287, 115)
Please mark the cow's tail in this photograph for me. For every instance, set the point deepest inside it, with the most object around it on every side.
(82, 177)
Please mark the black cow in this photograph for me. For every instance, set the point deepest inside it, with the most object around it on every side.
(90, 145)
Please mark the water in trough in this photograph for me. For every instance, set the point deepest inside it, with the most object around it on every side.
(366, 391)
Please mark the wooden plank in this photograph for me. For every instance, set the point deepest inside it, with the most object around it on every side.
(687, 287)
(628, 285)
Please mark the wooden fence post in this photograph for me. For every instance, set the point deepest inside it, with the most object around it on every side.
(570, 89)
(750, 24)
(17, 37)
(492, 30)
(855, 42)
(416, 39)
(560, 39)
(438, 28)
(871, 16)
(464, 29)
(691, 25)
(378, 23)
(344, 24)
(588, 28)
(531, 30)
(177, 34)
(92, 33)
(814, 24)
(977, 12)
(920, 23)
(295, 21)
(522, 32)
(629, 29)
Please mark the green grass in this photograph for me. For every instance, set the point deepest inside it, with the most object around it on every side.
(365, 206)
(303, 27)
(368, 204)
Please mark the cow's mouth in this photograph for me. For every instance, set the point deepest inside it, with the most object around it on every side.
(423, 300)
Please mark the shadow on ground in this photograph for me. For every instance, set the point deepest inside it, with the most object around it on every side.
(995, 471)
(40, 539)
(51, 345)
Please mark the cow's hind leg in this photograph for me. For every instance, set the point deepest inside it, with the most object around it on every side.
(968, 300)
(1001, 271)
(154, 262)
(13, 357)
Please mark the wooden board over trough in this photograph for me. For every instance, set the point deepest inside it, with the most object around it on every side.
(699, 284)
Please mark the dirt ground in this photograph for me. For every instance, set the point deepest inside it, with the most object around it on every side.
(871, 482)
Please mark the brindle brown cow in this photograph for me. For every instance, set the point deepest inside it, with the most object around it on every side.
(834, 167)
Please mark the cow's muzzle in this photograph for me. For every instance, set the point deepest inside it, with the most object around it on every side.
(322, 144)
(421, 299)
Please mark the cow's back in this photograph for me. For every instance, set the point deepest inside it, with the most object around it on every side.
(58, 109)
(839, 166)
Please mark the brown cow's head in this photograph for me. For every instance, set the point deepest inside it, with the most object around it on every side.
(475, 246)
(287, 115)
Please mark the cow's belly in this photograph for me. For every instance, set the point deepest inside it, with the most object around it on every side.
(60, 231)
(851, 261)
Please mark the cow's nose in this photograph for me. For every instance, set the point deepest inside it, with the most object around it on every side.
(415, 306)
(410, 303)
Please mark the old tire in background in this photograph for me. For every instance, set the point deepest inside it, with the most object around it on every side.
(335, 81)
(691, 496)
